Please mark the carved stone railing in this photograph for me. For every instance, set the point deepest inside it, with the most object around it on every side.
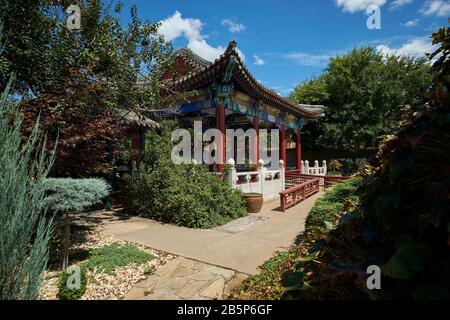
(316, 169)
(291, 196)
(267, 182)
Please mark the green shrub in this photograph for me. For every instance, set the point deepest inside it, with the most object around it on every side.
(281, 276)
(24, 229)
(64, 293)
(67, 194)
(332, 203)
(185, 195)
(402, 223)
(108, 258)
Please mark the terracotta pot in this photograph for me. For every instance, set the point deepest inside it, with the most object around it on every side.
(254, 202)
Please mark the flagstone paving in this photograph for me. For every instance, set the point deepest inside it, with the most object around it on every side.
(183, 278)
(233, 246)
(210, 262)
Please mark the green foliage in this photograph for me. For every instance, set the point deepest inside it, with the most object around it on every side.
(330, 206)
(405, 194)
(24, 229)
(266, 284)
(64, 293)
(43, 52)
(283, 276)
(402, 221)
(364, 92)
(108, 258)
(80, 82)
(149, 270)
(312, 91)
(67, 194)
(185, 195)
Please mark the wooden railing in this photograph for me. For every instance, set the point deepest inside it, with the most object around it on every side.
(294, 177)
(298, 193)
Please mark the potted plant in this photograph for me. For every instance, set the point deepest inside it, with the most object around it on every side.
(254, 201)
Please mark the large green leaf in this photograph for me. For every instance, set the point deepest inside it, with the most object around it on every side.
(408, 259)
(292, 281)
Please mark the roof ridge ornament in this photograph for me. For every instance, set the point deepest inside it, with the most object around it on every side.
(231, 46)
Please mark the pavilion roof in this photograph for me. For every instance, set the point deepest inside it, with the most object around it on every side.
(203, 73)
(130, 118)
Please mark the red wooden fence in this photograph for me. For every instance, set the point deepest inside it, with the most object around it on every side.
(301, 186)
(298, 193)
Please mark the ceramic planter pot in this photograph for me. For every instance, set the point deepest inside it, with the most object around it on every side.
(254, 202)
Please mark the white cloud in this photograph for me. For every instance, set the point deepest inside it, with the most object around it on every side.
(416, 47)
(440, 8)
(353, 6)
(399, 3)
(412, 23)
(258, 61)
(232, 26)
(176, 26)
(306, 59)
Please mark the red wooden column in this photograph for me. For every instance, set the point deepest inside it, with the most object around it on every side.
(221, 148)
(256, 146)
(283, 144)
(298, 149)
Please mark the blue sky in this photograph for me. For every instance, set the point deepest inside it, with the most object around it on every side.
(285, 42)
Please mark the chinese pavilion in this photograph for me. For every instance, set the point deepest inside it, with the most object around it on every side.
(228, 96)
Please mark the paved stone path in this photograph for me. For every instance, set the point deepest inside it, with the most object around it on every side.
(211, 262)
(240, 247)
(182, 278)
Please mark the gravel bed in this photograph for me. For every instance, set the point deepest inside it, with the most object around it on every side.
(103, 286)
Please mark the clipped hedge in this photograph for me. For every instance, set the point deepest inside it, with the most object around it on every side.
(331, 204)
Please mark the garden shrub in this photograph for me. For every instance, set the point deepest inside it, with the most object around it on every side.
(279, 276)
(68, 194)
(108, 258)
(402, 223)
(64, 293)
(65, 195)
(185, 195)
(332, 203)
(25, 230)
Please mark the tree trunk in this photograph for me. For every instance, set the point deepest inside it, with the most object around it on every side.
(66, 242)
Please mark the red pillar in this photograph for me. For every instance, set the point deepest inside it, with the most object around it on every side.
(298, 149)
(256, 146)
(220, 123)
(283, 144)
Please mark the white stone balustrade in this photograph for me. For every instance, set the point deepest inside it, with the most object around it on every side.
(268, 182)
(315, 170)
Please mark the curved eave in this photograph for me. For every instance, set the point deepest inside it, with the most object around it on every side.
(241, 75)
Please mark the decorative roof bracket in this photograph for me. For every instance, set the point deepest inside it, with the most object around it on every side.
(232, 61)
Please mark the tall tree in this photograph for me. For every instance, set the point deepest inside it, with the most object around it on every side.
(364, 92)
(79, 80)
